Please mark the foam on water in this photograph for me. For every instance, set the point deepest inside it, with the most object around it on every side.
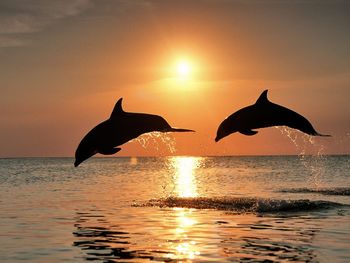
(323, 191)
(244, 204)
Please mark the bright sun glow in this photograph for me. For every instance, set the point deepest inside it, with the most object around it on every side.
(183, 69)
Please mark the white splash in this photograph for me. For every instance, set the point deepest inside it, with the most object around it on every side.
(310, 152)
(157, 140)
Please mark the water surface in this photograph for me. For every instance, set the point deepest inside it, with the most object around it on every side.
(176, 209)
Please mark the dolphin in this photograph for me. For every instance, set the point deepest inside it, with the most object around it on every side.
(263, 114)
(120, 128)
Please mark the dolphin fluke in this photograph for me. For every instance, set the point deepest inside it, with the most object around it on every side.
(171, 129)
(264, 114)
(322, 135)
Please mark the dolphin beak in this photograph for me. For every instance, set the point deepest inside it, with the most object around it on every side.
(219, 137)
(178, 130)
(78, 162)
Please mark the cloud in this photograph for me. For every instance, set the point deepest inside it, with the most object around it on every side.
(19, 17)
(6, 41)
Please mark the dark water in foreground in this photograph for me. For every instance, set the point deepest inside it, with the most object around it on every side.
(178, 209)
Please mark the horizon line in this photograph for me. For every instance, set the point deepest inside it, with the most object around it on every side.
(166, 156)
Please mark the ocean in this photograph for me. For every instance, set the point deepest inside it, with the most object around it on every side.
(176, 209)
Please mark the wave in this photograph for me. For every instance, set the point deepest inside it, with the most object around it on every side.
(323, 191)
(243, 205)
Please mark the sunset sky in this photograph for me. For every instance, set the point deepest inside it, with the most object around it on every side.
(64, 64)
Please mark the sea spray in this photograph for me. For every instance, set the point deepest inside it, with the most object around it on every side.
(157, 139)
(163, 143)
(243, 204)
(315, 163)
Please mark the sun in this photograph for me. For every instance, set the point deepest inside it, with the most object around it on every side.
(183, 69)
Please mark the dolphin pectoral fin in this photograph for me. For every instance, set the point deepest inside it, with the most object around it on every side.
(109, 151)
(248, 132)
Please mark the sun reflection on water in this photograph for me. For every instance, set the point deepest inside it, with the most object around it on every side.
(184, 247)
(187, 249)
(185, 168)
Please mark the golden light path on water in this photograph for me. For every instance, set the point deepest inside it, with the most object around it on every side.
(185, 186)
(185, 169)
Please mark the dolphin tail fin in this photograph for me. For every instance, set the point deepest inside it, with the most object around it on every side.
(177, 130)
(323, 135)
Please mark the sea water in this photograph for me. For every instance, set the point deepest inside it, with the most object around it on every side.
(176, 209)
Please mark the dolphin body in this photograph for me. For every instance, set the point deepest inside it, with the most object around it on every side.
(263, 114)
(120, 128)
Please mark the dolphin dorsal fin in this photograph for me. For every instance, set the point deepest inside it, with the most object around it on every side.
(263, 98)
(117, 109)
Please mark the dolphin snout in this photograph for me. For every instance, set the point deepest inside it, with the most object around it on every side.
(76, 163)
(219, 136)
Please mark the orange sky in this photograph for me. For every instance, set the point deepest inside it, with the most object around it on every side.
(64, 64)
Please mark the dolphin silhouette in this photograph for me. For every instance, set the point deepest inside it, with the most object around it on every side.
(263, 114)
(120, 128)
